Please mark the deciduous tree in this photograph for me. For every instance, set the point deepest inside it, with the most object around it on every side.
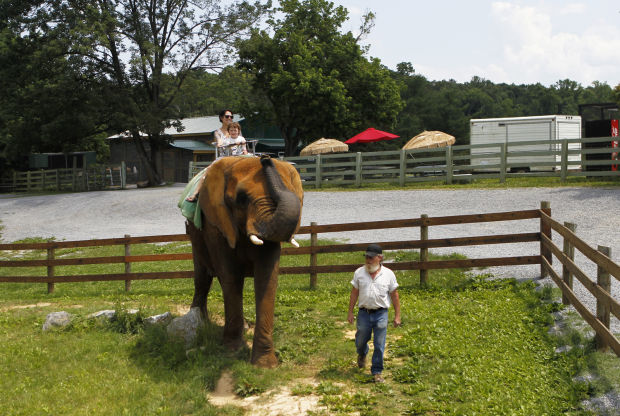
(144, 50)
(316, 79)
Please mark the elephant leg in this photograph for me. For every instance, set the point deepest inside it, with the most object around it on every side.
(263, 351)
(203, 277)
(232, 289)
(202, 286)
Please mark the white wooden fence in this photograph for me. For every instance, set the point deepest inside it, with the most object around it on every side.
(453, 164)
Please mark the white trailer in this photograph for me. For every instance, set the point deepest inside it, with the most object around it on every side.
(552, 128)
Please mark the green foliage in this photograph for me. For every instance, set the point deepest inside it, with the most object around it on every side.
(126, 322)
(448, 106)
(316, 79)
(107, 66)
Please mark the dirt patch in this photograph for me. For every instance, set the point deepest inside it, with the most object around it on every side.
(271, 403)
(181, 310)
(34, 305)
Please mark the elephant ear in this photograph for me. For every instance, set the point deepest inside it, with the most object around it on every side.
(212, 201)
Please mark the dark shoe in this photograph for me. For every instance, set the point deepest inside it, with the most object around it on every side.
(361, 361)
(379, 379)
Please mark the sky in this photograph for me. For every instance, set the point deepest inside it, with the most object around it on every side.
(510, 41)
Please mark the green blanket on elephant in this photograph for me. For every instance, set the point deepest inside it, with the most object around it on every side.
(190, 210)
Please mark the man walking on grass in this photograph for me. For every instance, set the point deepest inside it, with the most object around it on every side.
(374, 285)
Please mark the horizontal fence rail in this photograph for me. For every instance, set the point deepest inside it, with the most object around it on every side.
(605, 303)
(541, 238)
(586, 157)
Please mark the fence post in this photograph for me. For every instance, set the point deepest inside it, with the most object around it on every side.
(403, 165)
(358, 169)
(569, 251)
(28, 179)
(57, 180)
(123, 175)
(313, 256)
(127, 263)
(449, 166)
(503, 162)
(74, 172)
(424, 250)
(545, 229)
(50, 267)
(564, 161)
(602, 308)
(317, 172)
(190, 171)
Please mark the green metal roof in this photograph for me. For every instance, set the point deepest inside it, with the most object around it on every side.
(191, 145)
(271, 143)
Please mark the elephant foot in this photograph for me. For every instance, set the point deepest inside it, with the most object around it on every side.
(234, 344)
(265, 361)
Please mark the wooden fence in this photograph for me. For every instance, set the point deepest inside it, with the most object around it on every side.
(542, 254)
(71, 179)
(463, 163)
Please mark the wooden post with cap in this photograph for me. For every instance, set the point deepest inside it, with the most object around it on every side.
(423, 250)
(313, 260)
(545, 229)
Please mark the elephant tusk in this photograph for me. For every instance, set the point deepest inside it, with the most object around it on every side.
(255, 240)
(293, 242)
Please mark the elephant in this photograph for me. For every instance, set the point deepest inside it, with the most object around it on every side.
(249, 206)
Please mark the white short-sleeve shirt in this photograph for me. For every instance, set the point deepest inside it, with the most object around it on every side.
(374, 293)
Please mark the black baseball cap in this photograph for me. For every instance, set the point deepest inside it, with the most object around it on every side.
(373, 250)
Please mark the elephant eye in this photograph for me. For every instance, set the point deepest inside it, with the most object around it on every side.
(242, 197)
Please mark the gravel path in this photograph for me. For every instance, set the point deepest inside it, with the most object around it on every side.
(138, 212)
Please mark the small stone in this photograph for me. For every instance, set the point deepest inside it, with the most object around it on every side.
(57, 319)
(106, 314)
(563, 349)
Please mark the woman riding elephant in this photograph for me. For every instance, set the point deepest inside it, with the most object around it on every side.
(222, 139)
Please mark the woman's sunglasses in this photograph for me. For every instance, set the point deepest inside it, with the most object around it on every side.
(228, 116)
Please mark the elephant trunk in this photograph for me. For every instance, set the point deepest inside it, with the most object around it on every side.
(282, 221)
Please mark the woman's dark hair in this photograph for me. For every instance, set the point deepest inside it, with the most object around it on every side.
(224, 112)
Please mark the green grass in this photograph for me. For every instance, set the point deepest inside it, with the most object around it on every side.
(467, 346)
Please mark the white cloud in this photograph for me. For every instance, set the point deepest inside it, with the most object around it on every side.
(535, 49)
(572, 8)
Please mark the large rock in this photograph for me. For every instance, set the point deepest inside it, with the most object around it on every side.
(186, 326)
(57, 319)
(161, 319)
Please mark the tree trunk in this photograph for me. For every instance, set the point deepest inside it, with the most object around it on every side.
(290, 141)
(149, 162)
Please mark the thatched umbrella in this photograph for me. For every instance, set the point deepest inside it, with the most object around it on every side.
(429, 139)
(324, 145)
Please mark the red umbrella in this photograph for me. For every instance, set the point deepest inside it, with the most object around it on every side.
(371, 135)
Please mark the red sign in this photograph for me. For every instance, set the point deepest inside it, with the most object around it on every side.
(614, 143)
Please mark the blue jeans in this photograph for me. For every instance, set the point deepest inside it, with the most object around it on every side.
(367, 324)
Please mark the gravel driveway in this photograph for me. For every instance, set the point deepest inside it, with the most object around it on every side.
(138, 212)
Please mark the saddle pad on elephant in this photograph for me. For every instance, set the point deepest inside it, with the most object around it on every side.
(190, 210)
